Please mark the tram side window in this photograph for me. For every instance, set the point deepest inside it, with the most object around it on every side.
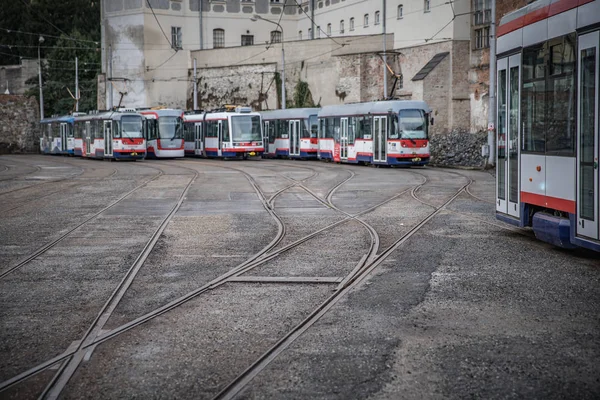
(212, 129)
(305, 129)
(364, 127)
(188, 132)
(225, 125)
(282, 129)
(314, 127)
(561, 100)
(151, 129)
(271, 131)
(116, 129)
(533, 100)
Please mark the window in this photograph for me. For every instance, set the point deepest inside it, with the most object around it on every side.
(247, 40)
(482, 12)
(299, 35)
(310, 33)
(351, 24)
(176, 37)
(482, 38)
(400, 11)
(218, 38)
(366, 20)
(427, 6)
(318, 31)
(342, 26)
(376, 17)
(275, 36)
(328, 29)
(533, 99)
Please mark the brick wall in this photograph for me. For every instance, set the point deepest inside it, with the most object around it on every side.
(19, 118)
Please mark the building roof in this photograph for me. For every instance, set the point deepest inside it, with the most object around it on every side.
(430, 66)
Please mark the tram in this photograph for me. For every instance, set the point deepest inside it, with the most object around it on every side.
(291, 133)
(393, 132)
(547, 121)
(110, 135)
(56, 135)
(228, 132)
(163, 130)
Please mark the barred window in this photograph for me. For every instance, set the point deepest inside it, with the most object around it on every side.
(342, 26)
(366, 20)
(176, 37)
(218, 38)
(400, 11)
(376, 17)
(329, 29)
(247, 40)
(275, 36)
(482, 38)
(351, 24)
(427, 6)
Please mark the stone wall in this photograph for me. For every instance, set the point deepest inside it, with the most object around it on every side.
(19, 117)
(458, 149)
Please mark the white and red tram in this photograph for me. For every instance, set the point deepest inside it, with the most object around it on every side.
(393, 132)
(163, 129)
(291, 133)
(229, 132)
(547, 121)
(110, 135)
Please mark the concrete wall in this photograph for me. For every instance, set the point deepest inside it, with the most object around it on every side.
(19, 118)
(14, 77)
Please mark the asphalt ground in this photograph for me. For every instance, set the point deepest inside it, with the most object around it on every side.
(247, 253)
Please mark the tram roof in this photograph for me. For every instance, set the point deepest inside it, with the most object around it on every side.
(59, 118)
(162, 112)
(103, 115)
(373, 107)
(290, 113)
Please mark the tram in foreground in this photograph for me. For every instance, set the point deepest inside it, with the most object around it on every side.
(163, 130)
(393, 132)
(547, 121)
(228, 132)
(110, 135)
(291, 133)
(56, 135)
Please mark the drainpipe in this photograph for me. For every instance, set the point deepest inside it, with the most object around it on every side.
(200, 23)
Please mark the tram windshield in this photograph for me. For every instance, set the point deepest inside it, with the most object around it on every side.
(170, 127)
(131, 127)
(246, 128)
(412, 124)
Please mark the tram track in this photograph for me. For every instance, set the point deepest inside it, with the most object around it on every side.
(63, 236)
(263, 256)
(357, 276)
(68, 368)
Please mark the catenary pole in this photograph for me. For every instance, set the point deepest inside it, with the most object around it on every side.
(492, 91)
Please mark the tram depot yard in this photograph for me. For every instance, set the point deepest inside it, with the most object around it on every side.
(277, 279)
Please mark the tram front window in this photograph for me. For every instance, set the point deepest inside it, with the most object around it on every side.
(314, 126)
(412, 124)
(170, 127)
(131, 127)
(246, 128)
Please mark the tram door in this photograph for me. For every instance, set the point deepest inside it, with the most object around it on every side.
(63, 137)
(108, 136)
(380, 139)
(266, 136)
(344, 138)
(294, 135)
(587, 135)
(508, 134)
(88, 138)
(198, 145)
(220, 138)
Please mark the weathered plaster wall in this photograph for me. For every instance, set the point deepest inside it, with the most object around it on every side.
(19, 117)
(13, 77)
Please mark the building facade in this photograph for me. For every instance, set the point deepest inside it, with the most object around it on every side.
(436, 51)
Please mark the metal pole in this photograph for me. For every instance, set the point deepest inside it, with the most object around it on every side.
(282, 73)
(385, 92)
(492, 91)
(312, 19)
(76, 86)
(200, 22)
(110, 88)
(41, 40)
(195, 87)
